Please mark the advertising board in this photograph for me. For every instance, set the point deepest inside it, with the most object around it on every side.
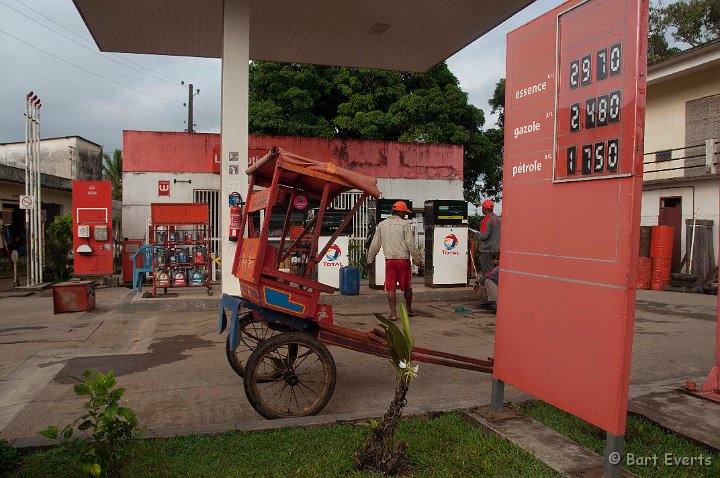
(574, 110)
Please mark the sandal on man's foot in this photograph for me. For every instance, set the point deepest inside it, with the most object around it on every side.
(393, 318)
(412, 313)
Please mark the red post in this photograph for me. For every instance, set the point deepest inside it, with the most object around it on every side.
(712, 384)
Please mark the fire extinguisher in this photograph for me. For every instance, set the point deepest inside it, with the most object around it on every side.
(235, 201)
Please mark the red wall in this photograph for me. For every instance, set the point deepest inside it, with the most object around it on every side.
(146, 151)
(151, 151)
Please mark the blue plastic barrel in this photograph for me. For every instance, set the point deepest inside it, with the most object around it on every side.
(349, 281)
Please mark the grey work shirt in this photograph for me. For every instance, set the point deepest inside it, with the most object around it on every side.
(489, 234)
(396, 239)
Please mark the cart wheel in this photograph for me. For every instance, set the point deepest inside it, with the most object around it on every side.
(251, 333)
(209, 292)
(305, 381)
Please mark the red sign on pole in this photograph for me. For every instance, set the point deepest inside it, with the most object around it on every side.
(575, 100)
(163, 188)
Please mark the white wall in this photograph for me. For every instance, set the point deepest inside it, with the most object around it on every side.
(420, 190)
(141, 189)
(69, 158)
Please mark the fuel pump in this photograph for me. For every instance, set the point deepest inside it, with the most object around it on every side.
(446, 243)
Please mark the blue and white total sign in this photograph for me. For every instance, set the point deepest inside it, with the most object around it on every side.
(450, 255)
(336, 257)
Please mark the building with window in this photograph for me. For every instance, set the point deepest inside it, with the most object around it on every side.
(681, 180)
(185, 167)
(61, 160)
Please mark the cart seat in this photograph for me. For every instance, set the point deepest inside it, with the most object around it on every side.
(264, 285)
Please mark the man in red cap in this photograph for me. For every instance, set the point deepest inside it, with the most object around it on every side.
(398, 244)
(489, 237)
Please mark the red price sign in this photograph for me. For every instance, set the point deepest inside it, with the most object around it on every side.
(595, 99)
(574, 115)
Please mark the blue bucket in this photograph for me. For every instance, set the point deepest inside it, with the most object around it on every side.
(349, 281)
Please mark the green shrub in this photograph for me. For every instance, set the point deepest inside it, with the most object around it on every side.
(58, 244)
(112, 426)
(8, 456)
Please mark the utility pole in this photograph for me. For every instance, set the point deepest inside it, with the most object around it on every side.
(190, 109)
(189, 104)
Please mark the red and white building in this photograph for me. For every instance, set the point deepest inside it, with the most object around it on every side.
(185, 167)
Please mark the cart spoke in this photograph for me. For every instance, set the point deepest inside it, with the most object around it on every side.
(314, 392)
(304, 356)
(274, 382)
(317, 359)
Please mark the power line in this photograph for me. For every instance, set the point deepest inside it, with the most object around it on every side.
(89, 71)
(85, 47)
(93, 44)
(207, 114)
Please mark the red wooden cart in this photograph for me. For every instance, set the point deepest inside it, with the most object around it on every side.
(278, 327)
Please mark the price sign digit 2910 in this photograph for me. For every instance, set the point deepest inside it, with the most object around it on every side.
(589, 104)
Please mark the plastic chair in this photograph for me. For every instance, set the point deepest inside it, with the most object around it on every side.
(146, 253)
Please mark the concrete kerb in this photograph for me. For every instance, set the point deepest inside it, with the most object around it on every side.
(39, 442)
(170, 431)
(558, 452)
(134, 303)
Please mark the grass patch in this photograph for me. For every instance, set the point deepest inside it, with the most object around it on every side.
(442, 447)
(643, 438)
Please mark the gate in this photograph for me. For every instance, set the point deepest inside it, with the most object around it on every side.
(360, 224)
(212, 198)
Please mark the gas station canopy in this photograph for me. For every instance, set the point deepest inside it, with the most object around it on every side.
(404, 35)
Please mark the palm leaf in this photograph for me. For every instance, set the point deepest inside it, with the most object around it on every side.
(405, 320)
(397, 344)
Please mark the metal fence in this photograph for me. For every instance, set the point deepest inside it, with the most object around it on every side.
(212, 198)
(687, 161)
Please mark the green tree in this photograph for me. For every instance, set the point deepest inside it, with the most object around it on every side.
(693, 22)
(495, 147)
(497, 102)
(658, 46)
(112, 171)
(339, 102)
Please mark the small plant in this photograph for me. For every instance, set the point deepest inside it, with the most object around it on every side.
(58, 245)
(8, 456)
(381, 453)
(111, 426)
(360, 263)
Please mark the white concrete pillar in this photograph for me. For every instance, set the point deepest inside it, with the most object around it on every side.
(234, 127)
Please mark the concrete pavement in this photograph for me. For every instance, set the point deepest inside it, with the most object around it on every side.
(173, 363)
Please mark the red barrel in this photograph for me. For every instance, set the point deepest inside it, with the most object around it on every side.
(644, 267)
(645, 233)
(661, 242)
(660, 273)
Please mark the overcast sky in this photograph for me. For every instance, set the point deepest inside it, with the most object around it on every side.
(105, 93)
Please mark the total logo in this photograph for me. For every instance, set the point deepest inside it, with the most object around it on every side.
(332, 255)
(450, 243)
